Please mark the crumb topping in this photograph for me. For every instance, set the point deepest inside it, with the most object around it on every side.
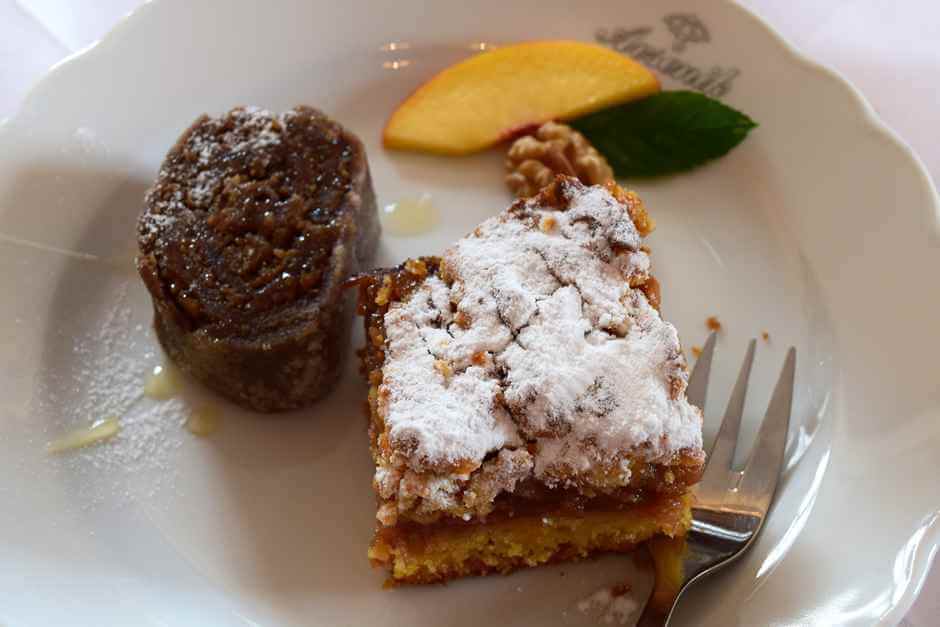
(530, 356)
(713, 323)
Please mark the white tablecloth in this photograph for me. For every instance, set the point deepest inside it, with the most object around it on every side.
(890, 50)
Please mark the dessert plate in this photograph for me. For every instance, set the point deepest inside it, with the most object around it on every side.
(819, 229)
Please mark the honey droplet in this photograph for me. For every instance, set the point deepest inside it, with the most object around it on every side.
(162, 383)
(99, 431)
(410, 216)
(203, 421)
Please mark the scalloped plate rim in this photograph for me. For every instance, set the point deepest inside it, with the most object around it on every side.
(927, 537)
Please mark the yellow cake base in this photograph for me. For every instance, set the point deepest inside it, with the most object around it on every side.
(440, 553)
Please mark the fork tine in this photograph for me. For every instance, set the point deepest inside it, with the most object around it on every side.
(722, 453)
(762, 471)
(697, 389)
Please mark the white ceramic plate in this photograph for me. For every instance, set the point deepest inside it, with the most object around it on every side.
(821, 229)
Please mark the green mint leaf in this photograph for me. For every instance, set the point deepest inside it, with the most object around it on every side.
(664, 133)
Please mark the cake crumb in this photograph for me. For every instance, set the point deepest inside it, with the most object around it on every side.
(376, 336)
(444, 368)
(416, 267)
(385, 292)
(696, 351)
(621, 589)
(765, 336)
(713, 323)
(613, 605)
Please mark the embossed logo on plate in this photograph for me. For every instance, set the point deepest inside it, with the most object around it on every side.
(685, 28)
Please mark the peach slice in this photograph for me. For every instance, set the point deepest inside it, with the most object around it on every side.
(492, 96)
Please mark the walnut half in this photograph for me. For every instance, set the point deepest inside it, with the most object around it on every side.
(533, 160)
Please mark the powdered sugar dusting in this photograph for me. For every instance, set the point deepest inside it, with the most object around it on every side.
(252, 129)
(248, 130)
(613, 606)
(109, 382)
(153, 223)
(204, 188)
(441, 420)
(539, 339)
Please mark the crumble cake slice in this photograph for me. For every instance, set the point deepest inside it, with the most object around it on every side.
(527, 400)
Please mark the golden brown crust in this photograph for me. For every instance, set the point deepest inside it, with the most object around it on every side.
(416, 554)
(641, 219)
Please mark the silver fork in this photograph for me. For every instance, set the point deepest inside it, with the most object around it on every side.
(731, 506)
